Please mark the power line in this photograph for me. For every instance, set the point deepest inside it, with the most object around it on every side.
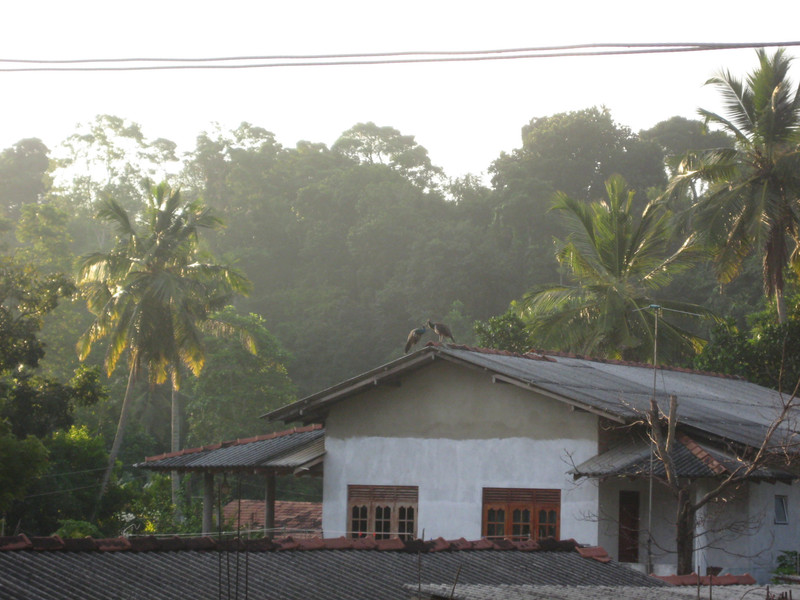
(378, 58)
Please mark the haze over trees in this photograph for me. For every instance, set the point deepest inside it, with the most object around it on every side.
(346, 248)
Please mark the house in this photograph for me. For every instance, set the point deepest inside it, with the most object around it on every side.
(458, 442)
(332, 569)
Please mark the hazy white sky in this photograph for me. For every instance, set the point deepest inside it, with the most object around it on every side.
(465, 114)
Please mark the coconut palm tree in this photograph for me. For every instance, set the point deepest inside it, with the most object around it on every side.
(751, 199)
(615, 264)
(153, 295)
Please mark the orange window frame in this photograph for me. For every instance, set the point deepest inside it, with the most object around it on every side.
(382, 512)
(521, 513)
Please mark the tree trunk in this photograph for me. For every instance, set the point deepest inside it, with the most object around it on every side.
(684, 534)
(175, 445)
(124, 413)
(780, 305)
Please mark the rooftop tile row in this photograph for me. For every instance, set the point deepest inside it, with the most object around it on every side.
(206, 543)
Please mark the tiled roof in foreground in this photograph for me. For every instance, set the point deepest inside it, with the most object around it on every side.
(202, 569)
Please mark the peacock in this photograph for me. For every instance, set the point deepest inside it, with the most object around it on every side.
(413, 337)
(442, 330)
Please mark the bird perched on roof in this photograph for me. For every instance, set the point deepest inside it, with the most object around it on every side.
(442, 330)
(413, 337)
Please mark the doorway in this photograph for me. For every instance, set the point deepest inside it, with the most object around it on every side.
(628, 526)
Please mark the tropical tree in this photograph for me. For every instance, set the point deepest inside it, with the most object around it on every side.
(615, 264)
(153, 296)
(751, 201)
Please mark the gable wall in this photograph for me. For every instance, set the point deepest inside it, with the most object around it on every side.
(450, 431)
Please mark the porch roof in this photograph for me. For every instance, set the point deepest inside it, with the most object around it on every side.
(692, 459)
(294, 450)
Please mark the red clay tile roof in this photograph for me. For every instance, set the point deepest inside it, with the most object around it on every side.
(22, 542)
(289, 516)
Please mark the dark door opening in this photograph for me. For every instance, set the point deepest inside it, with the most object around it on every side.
(629, 527)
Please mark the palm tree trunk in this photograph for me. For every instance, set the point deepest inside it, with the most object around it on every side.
(175, 445)
(780, 305)
(124, 413)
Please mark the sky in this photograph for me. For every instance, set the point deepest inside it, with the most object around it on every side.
(464, 114)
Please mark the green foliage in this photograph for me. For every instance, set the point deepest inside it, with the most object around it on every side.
(236, 386)
(576, 152)
(70, 528)
(24, 176)
(617, 261)
(786, 564)
(504, 332)
(769, 354)
(25, 298)
(152, 510)
(22, 461)
(34, 410)
(751, 204)
(67, 489)
(369, 144)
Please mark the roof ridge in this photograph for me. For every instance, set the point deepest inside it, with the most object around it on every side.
(532, 355)
(539, 354)
(236, 442)
(703, 455)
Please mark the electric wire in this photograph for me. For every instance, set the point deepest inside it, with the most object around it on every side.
(382, 58)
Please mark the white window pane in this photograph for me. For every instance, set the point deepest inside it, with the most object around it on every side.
(781, 509)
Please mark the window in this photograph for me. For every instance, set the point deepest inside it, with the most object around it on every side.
(383, 511)
(521, 514)
(781, 510)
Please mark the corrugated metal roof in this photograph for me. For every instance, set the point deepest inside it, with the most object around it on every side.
(726, 407)
(288, 450)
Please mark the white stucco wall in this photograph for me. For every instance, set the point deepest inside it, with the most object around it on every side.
(662, 524)
(744, 538)
(738, 533)
(451, 431)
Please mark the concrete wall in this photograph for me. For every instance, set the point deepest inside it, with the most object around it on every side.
(737, 533)
(451, 431)
(662, 525)
(742, 536)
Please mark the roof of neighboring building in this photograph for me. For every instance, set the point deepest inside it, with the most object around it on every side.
(168, 569)
(293, 450)
(291, 518)
(632, 458)
(721, 406)
(568, 592)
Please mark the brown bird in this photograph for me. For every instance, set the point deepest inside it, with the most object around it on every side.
(442, 330)
(413, 337)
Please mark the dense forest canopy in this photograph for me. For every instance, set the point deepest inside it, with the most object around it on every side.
(347, 248)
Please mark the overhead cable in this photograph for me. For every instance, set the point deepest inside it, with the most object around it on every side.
(376, 58)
